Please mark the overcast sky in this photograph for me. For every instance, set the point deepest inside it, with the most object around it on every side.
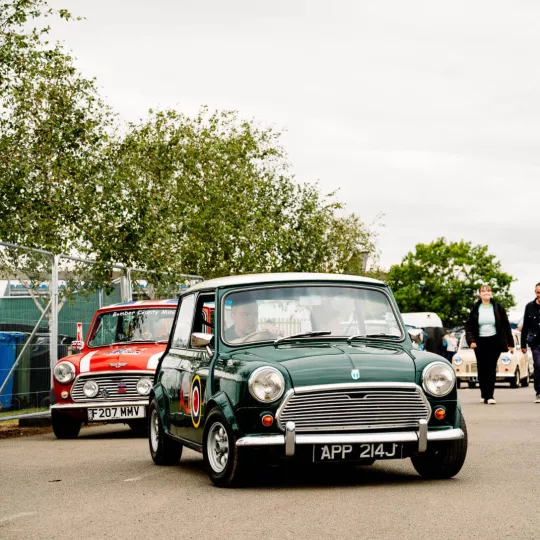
(427, 112)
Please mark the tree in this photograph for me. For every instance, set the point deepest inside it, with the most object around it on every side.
(213, 195)
(444, 278)
(53, 129)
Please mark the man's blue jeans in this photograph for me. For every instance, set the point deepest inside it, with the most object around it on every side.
(536, 361)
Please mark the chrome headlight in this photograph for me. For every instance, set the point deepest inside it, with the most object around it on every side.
(438, 379)
(506, 359)
(266, 384)
(144, 386)
(457, 360)
(90, 389)
(64, 372)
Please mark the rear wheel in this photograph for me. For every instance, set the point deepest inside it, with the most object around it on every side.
(442, 460)
(163, 449)
(65, 426)
(221, 455)
(526, 380)
(472, 384)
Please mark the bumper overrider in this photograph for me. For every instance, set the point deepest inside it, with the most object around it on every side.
(291, 439)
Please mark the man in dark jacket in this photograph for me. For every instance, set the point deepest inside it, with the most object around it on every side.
(530, 335)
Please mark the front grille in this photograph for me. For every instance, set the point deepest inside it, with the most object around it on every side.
(121, 386)
(355, 409)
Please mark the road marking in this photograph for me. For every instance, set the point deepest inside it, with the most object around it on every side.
(16, 516)
(133, 479)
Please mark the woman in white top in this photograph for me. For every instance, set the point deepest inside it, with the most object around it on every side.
(488, 332)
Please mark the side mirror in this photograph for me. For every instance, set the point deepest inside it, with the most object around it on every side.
(200, 340)
(77, 346)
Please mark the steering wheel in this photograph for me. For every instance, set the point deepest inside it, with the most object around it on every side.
(257, 335)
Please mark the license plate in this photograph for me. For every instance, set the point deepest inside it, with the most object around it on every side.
(100, 414)
(323, 453)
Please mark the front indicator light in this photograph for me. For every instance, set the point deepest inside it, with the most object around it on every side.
(267, 420)
(65, 394)
(440, 413)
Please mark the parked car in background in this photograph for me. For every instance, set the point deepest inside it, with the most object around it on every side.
(110, 379)
(347, 388)
(514, 368)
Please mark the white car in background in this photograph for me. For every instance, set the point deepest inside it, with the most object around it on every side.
(514, 368)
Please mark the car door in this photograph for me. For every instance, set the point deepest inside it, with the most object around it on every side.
(171, 365)
(193, 371)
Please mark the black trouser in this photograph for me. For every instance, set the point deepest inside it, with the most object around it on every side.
(488, 350)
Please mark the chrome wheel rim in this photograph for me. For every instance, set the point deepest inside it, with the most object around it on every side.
(154, 430)
(217, 447)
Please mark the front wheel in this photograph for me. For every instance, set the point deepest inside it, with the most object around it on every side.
(65, 426)
(514, 382)
(163, 449)
(442, 460)
(221, 455)
(526, 380)
(139, 427)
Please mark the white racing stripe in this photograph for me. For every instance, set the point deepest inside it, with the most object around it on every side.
(84, 365)
(153, 360)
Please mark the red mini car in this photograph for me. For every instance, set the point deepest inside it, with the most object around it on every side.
(112, 376)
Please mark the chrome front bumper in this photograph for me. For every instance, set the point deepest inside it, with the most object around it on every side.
(86, 405)
(291, 438)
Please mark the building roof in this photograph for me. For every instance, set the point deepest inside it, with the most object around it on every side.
(259, 279)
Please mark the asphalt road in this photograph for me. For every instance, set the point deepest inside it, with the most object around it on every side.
(104, 485)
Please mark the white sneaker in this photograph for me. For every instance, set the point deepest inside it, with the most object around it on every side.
(537, 400)
(491, 401)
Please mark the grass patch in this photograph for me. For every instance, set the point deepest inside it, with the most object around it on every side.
(22, 411)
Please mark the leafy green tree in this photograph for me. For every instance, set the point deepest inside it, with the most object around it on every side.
(212, 195)
(444, 278)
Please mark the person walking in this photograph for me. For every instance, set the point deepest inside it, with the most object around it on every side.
(488, 333)
(451, 346)
(530, 335)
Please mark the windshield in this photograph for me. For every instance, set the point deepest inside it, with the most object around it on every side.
(270, 313)
(131, 325)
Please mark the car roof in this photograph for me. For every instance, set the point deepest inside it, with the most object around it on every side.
(259, 279)
(170, 302)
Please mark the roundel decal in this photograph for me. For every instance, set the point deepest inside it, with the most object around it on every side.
(196, 401)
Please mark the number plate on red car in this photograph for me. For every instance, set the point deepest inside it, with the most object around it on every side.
(323, 453)
(101, 414)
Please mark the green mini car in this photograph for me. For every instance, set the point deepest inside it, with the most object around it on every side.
(294, 366)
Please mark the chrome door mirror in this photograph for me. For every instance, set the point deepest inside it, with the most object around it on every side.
(200, 340)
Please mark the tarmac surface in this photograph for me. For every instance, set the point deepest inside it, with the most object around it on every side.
(105, 485)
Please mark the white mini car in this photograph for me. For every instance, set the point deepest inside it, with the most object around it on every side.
(512, 368)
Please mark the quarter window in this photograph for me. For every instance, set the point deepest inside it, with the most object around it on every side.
(182, 329)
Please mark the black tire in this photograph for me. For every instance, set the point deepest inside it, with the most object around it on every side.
(139, 427)
(458, 383)
(442, 460)
(526, 380)
(514, 382)
(232, 473)
(65, 426)
(472, 384)
(163, 449)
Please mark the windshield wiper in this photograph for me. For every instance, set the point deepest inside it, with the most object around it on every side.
(367, 336)
(302, 335)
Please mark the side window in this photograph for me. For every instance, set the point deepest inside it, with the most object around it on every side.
(182, 329)
(204, 314)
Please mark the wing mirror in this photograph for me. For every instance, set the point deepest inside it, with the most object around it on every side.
(199, 340)
(77, 346)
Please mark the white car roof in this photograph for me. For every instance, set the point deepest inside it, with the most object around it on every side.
(256, 279)
(422, 319)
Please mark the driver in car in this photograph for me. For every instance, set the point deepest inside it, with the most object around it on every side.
(245, 317)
